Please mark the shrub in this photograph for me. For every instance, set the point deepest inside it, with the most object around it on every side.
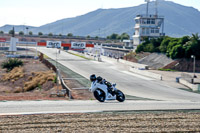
(162, 69)
(11, 63)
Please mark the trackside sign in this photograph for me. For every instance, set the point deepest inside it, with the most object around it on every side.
(53, 44)
(78, 45)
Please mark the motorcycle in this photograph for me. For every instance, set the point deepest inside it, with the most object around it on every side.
(106, 91)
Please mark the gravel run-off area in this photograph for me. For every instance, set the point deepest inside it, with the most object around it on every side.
(102, 122)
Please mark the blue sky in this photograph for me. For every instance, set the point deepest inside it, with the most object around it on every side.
(40, 12)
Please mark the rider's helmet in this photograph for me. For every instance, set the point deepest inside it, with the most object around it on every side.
(93, 77)
(99, 79)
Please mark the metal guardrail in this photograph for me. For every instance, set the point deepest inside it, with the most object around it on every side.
(59, 76)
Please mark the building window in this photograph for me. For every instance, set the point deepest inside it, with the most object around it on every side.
(152, 21)
(156, 30)
(143, 30)
(152, 30)
(144, 21)
(147, 31)
(148, 21)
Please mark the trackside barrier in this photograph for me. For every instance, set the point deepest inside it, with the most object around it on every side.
(51, 66)
(108, 59)
(194, 87)
(146, 73)
(68, 91)
(135, 65)
(64, 86)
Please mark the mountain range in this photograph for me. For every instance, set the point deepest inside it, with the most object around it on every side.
(179, 21)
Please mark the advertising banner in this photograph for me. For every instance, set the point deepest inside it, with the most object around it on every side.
(78, 45)
(53, 44)
(2, 39)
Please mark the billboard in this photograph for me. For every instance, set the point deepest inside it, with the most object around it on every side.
(78, 45)
(2, 39)
(53, 44)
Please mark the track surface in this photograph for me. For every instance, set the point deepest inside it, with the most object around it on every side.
(129, 83)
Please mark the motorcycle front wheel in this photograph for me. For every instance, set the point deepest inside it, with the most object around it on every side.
(120, 96)
(100, 95)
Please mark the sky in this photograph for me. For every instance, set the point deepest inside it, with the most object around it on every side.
(40, 12)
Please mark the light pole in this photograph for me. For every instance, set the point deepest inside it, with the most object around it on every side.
(26, 42)
(192, 56)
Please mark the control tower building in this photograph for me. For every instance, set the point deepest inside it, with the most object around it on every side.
(148, 25)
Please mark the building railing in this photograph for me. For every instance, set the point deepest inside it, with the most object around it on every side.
(149, 16)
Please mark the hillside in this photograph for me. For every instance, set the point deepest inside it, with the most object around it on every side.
(18, 28)
(179, 20)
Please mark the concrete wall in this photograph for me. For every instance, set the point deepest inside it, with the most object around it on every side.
(146, 73)
(133, 64)
(194, 87)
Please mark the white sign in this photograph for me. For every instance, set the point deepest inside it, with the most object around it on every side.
(13, 42)
(78, 45)
(53, 44)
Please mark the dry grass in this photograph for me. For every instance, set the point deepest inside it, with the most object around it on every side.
(37, 79)
(15, 74)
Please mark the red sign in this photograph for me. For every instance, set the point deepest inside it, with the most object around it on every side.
(2, 39)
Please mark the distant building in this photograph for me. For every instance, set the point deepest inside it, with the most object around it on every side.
(128, 43)
(151, 26)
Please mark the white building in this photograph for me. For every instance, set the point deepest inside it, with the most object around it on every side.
(151, 26)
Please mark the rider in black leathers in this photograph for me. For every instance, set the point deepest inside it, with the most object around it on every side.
(102, 81)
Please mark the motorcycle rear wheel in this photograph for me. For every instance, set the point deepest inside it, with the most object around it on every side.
(120, 96)
(100, 95)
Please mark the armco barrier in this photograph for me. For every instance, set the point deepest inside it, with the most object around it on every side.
(146, 73)
(51, 66)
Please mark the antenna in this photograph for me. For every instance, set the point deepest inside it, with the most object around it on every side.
(156, 8)
(147, 10)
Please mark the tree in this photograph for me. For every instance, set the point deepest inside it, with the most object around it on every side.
(21, 33)
(195, 37)
(164, 44)
(183, 40)
(124, 36)
(30, 33)
(11, 32)
(50, 34)
(1, 32)
(114, 36)
(70, 35)
(96, 37)
(149, 48)
(192, 47)
(139, 48)
(60, 34)
(177, 52)
(40, 33)
(88, 36)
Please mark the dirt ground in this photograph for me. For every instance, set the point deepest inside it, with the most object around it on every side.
(7, 88)
(103, 122)
(47, 91)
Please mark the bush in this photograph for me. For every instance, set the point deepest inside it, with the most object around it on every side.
(162, 69)
(11, 63)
